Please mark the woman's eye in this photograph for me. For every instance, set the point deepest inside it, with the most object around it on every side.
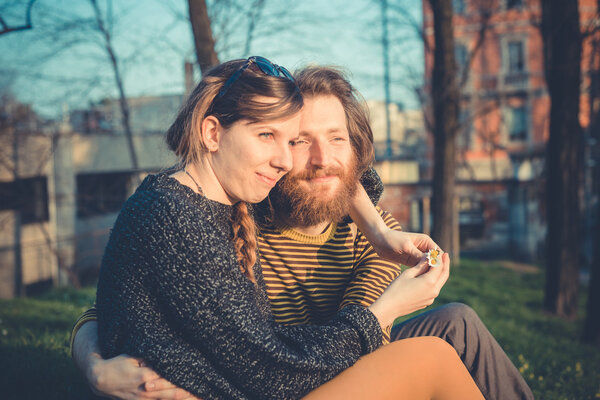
(266, 135)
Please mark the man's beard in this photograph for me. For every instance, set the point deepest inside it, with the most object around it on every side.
(303, 205)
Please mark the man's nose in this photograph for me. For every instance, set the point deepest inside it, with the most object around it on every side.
(320, 154)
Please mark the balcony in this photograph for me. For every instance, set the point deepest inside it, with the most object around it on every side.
(515, 81)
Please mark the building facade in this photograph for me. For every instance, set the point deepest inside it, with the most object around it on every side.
(60, 193)
(504, 120)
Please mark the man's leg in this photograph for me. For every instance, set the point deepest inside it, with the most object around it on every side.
(459, 325)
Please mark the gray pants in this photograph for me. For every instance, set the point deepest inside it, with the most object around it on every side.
(459, 325)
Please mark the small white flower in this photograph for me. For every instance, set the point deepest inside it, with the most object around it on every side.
(4, 332)
(434, 257)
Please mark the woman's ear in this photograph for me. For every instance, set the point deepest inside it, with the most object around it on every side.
(211, 133)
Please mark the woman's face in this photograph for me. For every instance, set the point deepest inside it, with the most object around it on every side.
(252, 157)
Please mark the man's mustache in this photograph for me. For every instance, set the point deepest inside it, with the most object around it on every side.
(316, 173)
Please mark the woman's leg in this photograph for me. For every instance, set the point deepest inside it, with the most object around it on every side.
(416, 368)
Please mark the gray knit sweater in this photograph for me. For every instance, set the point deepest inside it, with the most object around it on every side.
(171, 291)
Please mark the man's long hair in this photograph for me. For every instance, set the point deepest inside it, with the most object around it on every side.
(323, 81)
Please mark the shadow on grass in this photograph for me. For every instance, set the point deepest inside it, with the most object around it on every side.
(29, 372)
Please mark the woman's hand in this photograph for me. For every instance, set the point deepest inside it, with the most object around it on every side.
(415, 289)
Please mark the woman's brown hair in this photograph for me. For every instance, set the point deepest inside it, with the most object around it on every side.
(242, 100)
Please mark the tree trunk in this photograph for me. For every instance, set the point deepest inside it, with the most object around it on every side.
(203, 39)
(591, 329)
(562, 51)
(445, 97)
(17, 229)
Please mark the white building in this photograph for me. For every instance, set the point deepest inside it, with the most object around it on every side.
(60, 198)
(399, 161)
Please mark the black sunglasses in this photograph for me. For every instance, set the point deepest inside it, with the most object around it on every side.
(266, 66)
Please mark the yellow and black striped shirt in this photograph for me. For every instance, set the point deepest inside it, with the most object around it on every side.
(309, 278)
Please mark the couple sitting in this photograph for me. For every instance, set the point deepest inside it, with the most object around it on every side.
(180, 287)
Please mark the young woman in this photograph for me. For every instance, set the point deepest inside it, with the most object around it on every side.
(178, 291)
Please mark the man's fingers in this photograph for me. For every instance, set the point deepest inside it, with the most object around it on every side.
(168, 394)
(158, 384)
(425, 243)
(145, 375)
(413, 254)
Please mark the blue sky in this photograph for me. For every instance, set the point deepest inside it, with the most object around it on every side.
(152, 39)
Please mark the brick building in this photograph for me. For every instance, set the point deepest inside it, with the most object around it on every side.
(504, 119)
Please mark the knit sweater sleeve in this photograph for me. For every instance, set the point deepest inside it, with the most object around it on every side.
(213, 307)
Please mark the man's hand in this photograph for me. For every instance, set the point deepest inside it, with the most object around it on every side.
(121, 377)
(403, 247)
(395, 246)
(126, 378)
(415, 289)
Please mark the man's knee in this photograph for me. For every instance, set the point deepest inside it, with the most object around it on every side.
(459, 313)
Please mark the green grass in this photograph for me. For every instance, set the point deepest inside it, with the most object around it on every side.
(34, 335)
(34, 339)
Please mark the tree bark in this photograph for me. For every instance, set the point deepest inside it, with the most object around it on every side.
(591, 328)
(562, 51)
(445, 97)
(203, 39)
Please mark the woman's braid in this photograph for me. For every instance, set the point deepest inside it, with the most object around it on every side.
(244, 238)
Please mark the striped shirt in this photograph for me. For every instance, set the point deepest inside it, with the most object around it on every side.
(310, 277)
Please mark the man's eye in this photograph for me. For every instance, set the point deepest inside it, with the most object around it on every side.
(297, 142)
(266, 135)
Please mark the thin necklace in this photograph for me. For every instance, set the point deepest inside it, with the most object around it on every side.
(209, 201)
(196, 183)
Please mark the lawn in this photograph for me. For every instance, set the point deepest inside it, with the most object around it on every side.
(34, 335)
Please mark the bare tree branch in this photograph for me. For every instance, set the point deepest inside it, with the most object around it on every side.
(8, 29)
(484, 24)
(119, 82)
(253, 18)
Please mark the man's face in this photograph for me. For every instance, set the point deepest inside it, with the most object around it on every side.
(323, 178)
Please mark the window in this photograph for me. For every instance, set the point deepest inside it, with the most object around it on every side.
(460, 54)
(99, 194)
(514, 4)
(459, 7)
(29, 196)
(465, 130)
(516, 57)
(517, 123)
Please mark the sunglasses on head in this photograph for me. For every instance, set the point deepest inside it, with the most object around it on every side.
(266, 66)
